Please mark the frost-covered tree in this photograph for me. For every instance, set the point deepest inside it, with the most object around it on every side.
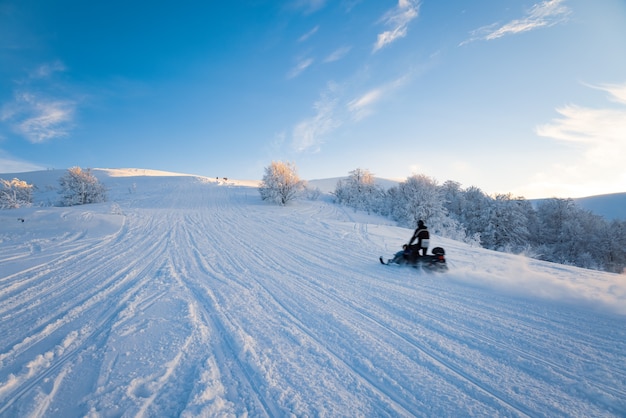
(15, 193)
(360, 191)
(553, 215)
(613, 247)
(510, 223)
(414, 200)
(591, 234)
(421, 198)
(312, 193)
(452, 198)
(80, 187)
(566, 232)
(475, 215)
(280, 183)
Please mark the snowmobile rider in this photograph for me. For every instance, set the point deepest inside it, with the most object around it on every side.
(398, 257)
(422, 236)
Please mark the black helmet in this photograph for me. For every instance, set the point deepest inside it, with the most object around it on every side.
(420, 224)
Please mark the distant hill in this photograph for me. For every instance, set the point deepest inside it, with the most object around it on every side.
(610, 206)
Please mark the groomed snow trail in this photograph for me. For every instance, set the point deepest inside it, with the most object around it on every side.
(184, 297)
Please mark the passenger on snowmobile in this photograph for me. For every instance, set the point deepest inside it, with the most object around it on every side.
(400, 257)
(422, 236)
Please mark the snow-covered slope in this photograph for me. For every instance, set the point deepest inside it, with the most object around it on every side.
(611, 206)
(187, 296)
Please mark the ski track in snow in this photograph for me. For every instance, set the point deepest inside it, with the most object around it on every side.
(190, 298)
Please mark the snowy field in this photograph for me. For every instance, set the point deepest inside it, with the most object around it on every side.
(187, 296)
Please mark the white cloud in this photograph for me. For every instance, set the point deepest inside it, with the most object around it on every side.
(302, 65)
(37, 118)
(337, 54)
(332, 112)
(362, 106)
(47, 70)
(36, 111)
(600, 134)
(308, 34)
(544, 14)
(397, 20)
(617, 92)
(309, 134)
(598, 129)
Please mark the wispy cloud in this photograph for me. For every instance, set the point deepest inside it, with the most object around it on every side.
(595, 127)
(308, 34)
(544, 14)
(332, 111)
(397, 20)
(301, 65)
(600, 134)
(363, 106)
(337, 54)
(309, 134)
(39, 119)
(35, 112)
(46, 70)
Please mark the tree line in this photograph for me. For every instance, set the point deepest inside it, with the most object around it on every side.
(555, 230)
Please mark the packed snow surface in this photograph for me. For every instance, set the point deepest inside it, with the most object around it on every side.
(187, 296)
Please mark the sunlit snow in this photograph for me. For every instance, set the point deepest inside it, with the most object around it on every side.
(189, 296)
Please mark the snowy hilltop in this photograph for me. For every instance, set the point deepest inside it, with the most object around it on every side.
(190, 296)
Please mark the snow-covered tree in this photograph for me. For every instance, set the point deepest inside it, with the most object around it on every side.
(80, 187)
(475, 215)
(567, 234)
(312, 193)
(15, 193)
(360, 191)
(452, 198)
(613, 247)
(420, 198)
(281, 183)
(510, 223)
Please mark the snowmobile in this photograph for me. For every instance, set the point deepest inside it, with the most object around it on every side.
(430, 262)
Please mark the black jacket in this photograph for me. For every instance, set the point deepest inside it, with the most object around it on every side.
(422, 236)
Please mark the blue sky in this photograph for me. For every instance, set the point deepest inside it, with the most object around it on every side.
(526, 97)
